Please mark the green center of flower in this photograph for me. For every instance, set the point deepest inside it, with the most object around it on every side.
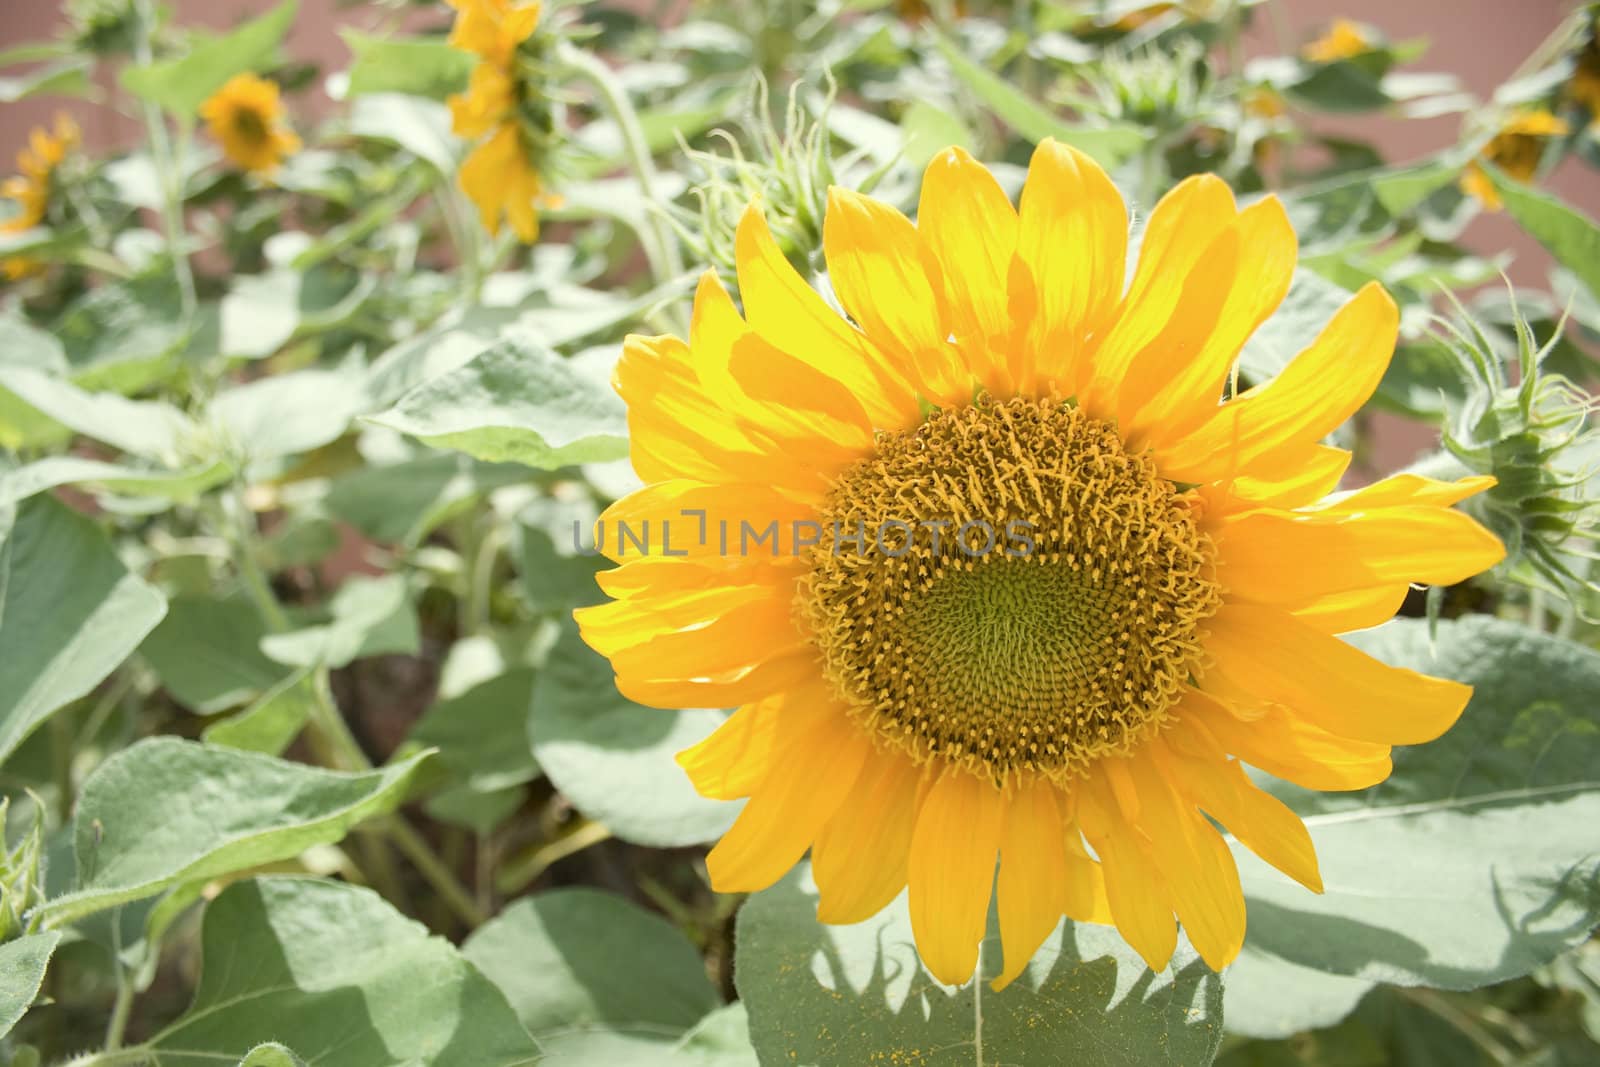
(250, 125)
(1008, 588)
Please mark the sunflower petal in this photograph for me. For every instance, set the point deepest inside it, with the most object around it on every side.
(861, 856)
(1033, 875)
(951, 872)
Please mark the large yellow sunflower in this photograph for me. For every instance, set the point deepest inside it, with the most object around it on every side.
(994, 574)
(246, 118)
(501, 175)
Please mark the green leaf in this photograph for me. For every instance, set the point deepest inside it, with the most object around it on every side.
(1476, 861)
(335, 973)
(207, 653)
(67, 77)
(217, 811)
(401, 503)
(370, 617)
(181, 85)
(580, 959)
(263, 312)
(149, 428)
(556, 576)
(272, 721)
(287, 414)
(822, 995)
(588, 737)
(722, 1039)
(69, 613)
(123, 336)
(481, 735)
(1569, 235)
(417, 66)
(516, 402)
(1266, 996)
(421, 127)
(22, 967)
(271, 1055)
(1108, 145)
(181, 484)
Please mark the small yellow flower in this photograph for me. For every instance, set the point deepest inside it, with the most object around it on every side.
(246, 117)
(501, 180)
(1344, 39)
(501, 174)
(1516, 150)
(1026, 592)
(32, 186)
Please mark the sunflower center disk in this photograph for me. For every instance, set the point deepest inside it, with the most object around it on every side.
(1007, 588)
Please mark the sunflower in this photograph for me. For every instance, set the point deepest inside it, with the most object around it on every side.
(1583, 88)
(1344, 39)
(31, 188)
(992, 574)
(246, 118)
(1516, 149)
(500, 175)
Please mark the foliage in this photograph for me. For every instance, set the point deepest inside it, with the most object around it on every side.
(303, 758)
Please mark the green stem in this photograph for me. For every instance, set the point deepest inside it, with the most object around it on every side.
(122, 1008)
(660, 247)
(521, 874)
(416, 849)
(161, 157)
(133, 1057)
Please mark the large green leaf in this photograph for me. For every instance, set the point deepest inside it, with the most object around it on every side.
(148, 428)
(1476, 861)
(721, 1039)
(207, 653)
(1570, 235)
(217, 811)
(370, 617)
(1109, 145)
(22, 967)
(482, 735)
(334, 973)
(286, 414)
(822, 995)
(419, 66)
(588, 738)
(579, 959)
(183, 483)
(516, 402)
(400, 503)
(181, 85)
(69, 613)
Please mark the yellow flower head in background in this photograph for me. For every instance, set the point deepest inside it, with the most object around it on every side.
(1344, 39)
(1516, 150)
(500, 175)
(1583, 88)
(246, 117)
(31, 187)
(994, 577)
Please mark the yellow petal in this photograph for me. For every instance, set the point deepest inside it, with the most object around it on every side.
(809, 779)
(688, 519)
(1409, 489)
(1138, 895)
(1185, 223)
(861, 856)
(734, 759)
(1192, 370)
(1327, 682)
(1033, 875)
(1290, 558)
(1355, 609)
(1196, 864)
(890, 283)
(1279, 743)
(1084, 891)
(776, 675)
(1066, 278)
(951, 872)
(966, 219)
(1319, 389)
(790, 315)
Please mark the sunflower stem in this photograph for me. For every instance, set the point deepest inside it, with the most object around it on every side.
(660, 246)
(165, 162)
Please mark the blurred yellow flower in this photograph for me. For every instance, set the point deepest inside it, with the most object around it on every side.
(1516, 150)
(1024, 591)
(1342, 40)
(246, 118)
(1583, 88)
(31, 187)
(501, 174)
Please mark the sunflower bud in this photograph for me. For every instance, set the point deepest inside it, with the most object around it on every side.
(103, 27)
(789, 172)
(21, 881)
(1162, 91)
(1534, 437)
